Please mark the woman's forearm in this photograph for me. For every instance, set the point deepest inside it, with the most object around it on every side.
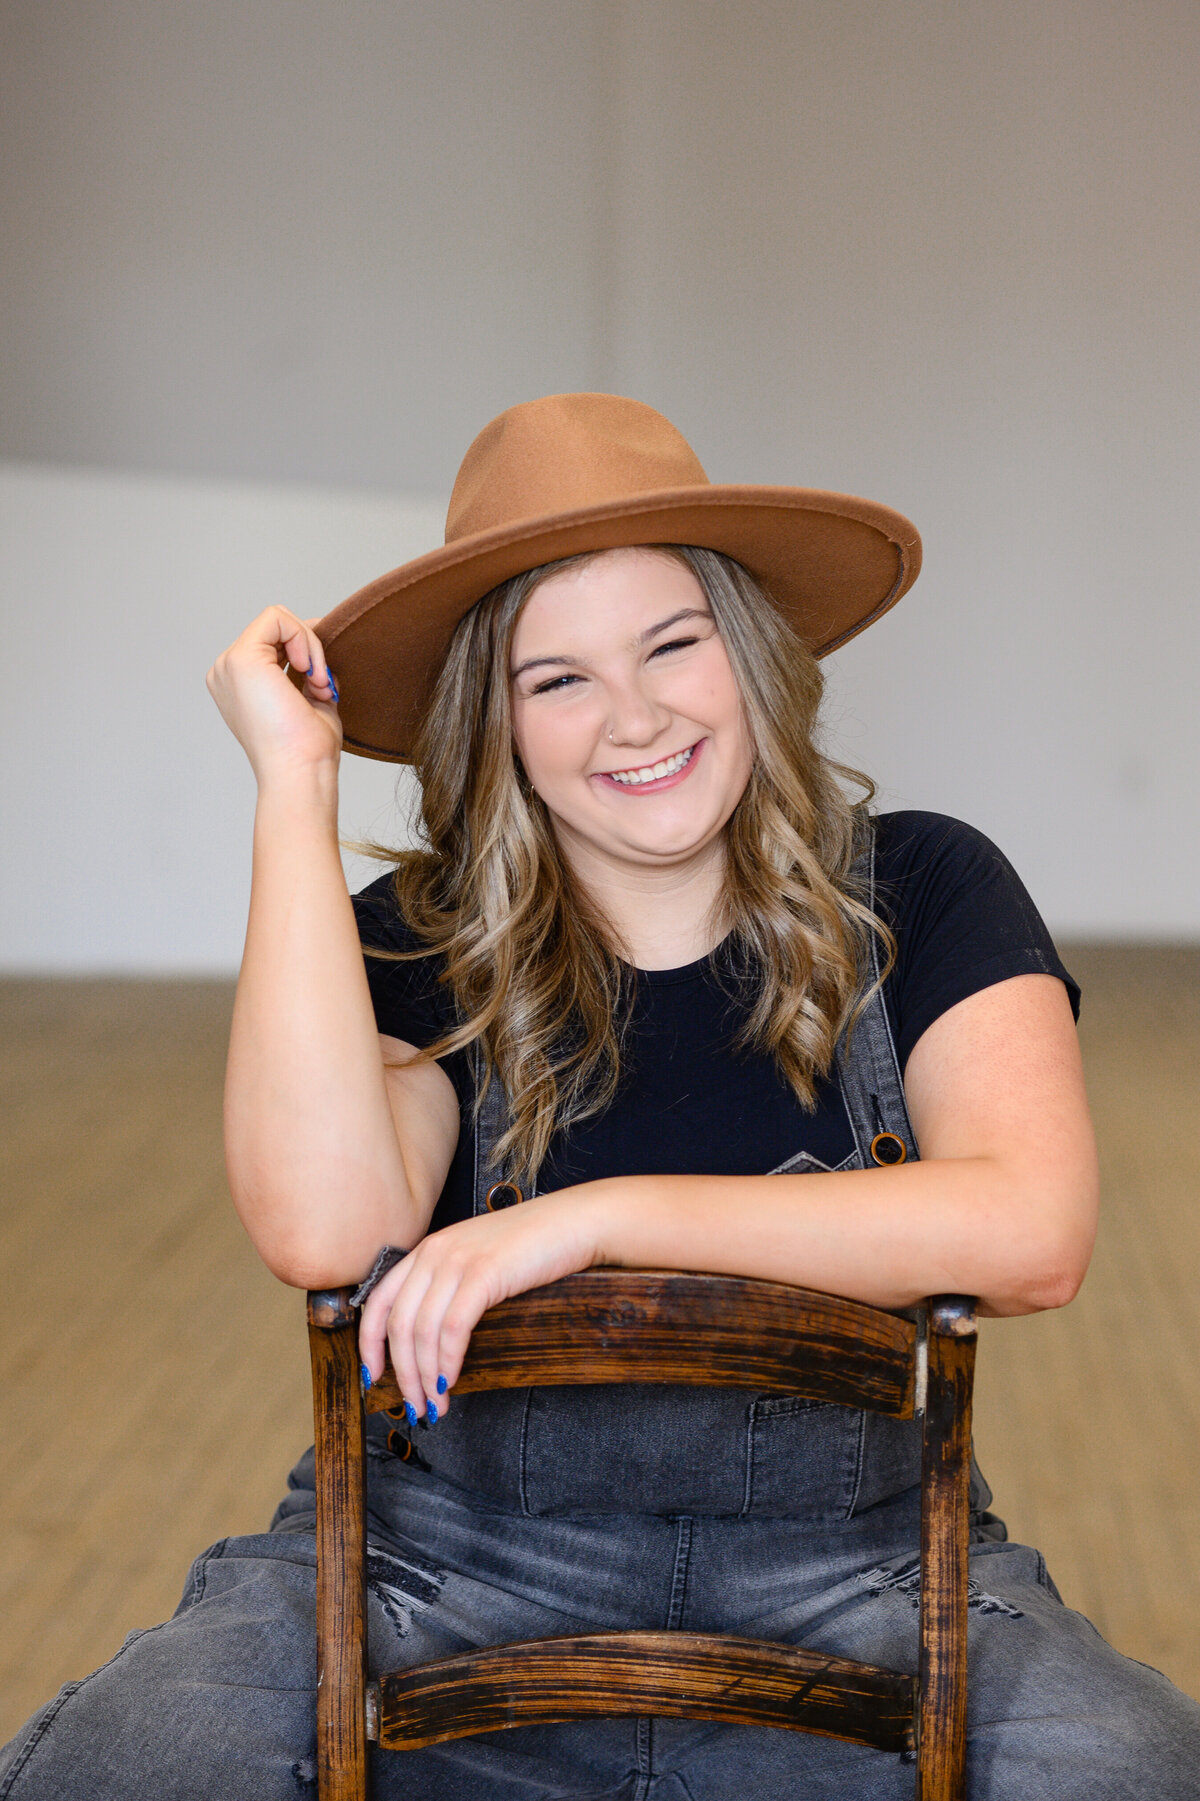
(1002, 1205)
(889, 1237)
(314, 1163)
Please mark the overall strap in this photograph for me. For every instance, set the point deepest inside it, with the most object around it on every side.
(867, 1064)
(491, 1123)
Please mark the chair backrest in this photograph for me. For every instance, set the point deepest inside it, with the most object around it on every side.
(613, 1325)
(605, 1325)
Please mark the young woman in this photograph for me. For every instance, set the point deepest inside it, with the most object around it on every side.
(653, 951)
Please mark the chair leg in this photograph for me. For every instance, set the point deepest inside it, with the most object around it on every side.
(341, 1544)
(945, 1529)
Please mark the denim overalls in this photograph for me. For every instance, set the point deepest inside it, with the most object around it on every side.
(554, 1511)
(681, 1450)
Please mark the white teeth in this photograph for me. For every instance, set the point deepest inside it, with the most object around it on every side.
(632, 778)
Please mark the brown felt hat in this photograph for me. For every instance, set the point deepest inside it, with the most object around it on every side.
(579, 472)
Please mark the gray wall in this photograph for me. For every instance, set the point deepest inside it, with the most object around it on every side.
(938, 252)
(301, 240)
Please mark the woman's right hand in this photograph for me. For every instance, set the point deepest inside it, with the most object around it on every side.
(277, 724)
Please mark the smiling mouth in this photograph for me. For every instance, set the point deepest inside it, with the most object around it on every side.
(652, 775)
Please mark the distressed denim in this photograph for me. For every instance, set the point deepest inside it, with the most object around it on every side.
(800, 1546)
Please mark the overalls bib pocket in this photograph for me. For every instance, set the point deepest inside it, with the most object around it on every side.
(803, 1459)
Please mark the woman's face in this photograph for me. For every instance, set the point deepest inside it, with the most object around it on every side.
(626, 714)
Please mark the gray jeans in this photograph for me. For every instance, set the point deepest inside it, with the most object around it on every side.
(771, 1518)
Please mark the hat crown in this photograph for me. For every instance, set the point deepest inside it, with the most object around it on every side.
(563, 454)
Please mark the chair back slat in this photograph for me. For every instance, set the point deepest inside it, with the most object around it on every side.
(685, 1675)
(609, 1325)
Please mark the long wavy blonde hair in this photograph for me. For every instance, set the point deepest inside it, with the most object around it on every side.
(534, 968)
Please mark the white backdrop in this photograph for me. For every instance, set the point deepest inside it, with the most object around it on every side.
(128, 806)
(271, 265)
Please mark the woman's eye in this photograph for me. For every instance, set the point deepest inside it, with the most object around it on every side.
(554, 684)
(675, 644)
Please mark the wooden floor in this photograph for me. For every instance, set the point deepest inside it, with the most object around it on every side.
(153, 1378)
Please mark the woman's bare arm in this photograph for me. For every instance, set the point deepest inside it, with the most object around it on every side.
(329, 1155)
(1002, 1205)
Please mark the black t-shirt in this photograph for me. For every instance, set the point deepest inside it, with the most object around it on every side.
(688, 1103)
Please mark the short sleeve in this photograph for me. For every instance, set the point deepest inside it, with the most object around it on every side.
(962, 917)
(408, 1000)
(411, 1004)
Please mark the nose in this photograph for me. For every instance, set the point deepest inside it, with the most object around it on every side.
(635, 718)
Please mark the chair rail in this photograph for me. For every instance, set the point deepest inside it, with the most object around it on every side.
(619, 1325)
(684, 1675)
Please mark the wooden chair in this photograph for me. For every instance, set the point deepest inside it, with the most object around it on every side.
(647, 1326)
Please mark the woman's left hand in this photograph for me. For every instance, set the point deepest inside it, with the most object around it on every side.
(426, 1308)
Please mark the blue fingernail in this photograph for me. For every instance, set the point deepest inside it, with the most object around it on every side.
(310, 665)
(442, 1385)
(411, 1411)
(431, 1412)
(365, 1373)
(333, 687)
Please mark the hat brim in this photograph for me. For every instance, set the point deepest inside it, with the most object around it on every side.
(832, 563)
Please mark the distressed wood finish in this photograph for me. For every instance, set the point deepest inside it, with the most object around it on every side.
(341, 1546)
(654, 1326)
(607, 1325)
(684, 1675)
(945, 1513)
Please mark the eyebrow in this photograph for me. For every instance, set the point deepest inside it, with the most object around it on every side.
(651, 631)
